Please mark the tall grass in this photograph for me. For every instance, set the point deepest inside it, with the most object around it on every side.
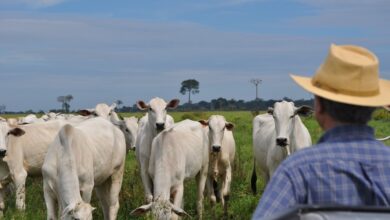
(242, 202)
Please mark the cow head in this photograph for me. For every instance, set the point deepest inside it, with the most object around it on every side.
(80, 210)
(217, 125)
(285, 114)
(157, 111)
(161, 210)
(101, 110)
(5, 132)
(132, 128)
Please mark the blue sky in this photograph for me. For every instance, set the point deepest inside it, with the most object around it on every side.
(100, 50)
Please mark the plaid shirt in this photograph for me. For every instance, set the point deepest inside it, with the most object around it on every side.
(347, 167)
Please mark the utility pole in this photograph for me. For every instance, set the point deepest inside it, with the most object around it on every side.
(256, 82)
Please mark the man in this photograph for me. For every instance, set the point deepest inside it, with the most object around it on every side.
(347, 166)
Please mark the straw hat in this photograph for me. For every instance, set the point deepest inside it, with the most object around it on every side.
(349, 75)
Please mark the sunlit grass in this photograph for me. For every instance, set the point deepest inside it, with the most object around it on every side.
(242, 201)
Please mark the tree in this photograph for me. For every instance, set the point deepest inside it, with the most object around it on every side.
(65, 102)
(189, 86)
(256, 82)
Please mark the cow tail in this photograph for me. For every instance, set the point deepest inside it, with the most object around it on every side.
(254, 179)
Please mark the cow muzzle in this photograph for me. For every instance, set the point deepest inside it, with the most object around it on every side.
(216, 148)
(160, 126)
(282, 142)
(2, 152)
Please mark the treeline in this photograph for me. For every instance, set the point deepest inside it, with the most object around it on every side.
(222, 104)
(219, 104)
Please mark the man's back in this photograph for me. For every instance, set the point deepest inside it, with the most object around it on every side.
(347, 167)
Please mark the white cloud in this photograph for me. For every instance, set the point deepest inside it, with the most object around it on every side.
(32, 3)
(96, 60)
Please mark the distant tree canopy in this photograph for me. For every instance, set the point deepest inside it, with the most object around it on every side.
(65, 102)
(189, 86)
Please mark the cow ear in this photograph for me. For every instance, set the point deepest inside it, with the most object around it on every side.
(303, 110)
(113, 106)
(17, 132)
(180, 212)
(229, 126)
(204, 122)
(141, 210)
(173, 103)
(142, 106)
(270, 110)
(85, 112)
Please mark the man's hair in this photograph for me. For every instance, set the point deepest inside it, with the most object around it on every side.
(346, 113)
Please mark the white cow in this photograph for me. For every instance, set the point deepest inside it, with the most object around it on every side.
(26, 149)
(101, 110)
(276, 135)
(150, 125)
(90, 154)
(28, 144)
(132, 128)
(4, 171)
(29, 119)
(178, 153)
(222, 150)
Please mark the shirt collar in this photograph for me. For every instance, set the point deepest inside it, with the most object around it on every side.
(347, 133)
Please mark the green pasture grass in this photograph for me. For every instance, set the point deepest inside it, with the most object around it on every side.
(242, 202)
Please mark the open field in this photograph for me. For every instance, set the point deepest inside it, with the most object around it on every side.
(242, 202)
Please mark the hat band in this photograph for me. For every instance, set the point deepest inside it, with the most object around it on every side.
(345, 92)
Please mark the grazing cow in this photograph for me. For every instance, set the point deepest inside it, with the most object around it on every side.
(177, 153)
(27, 146)
(25, 153)
(90, 154)
(150, 125)
(276, 135)
(222, 150)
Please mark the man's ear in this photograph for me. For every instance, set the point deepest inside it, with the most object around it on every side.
(17, 132)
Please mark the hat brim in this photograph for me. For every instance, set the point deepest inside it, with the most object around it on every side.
(381, 99)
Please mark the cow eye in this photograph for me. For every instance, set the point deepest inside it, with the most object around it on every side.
(150, 109)
(127, 130)
(94, 114)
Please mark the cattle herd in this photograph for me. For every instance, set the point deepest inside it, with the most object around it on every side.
(78, 153)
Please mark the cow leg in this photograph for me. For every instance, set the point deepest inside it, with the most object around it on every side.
(201, 182)
(50, 201)
(227, 179)
(211, 195)
(147, 182)
(2, 196)
(108, 194)
(178, 199)
(20, 181)
(86, 190)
